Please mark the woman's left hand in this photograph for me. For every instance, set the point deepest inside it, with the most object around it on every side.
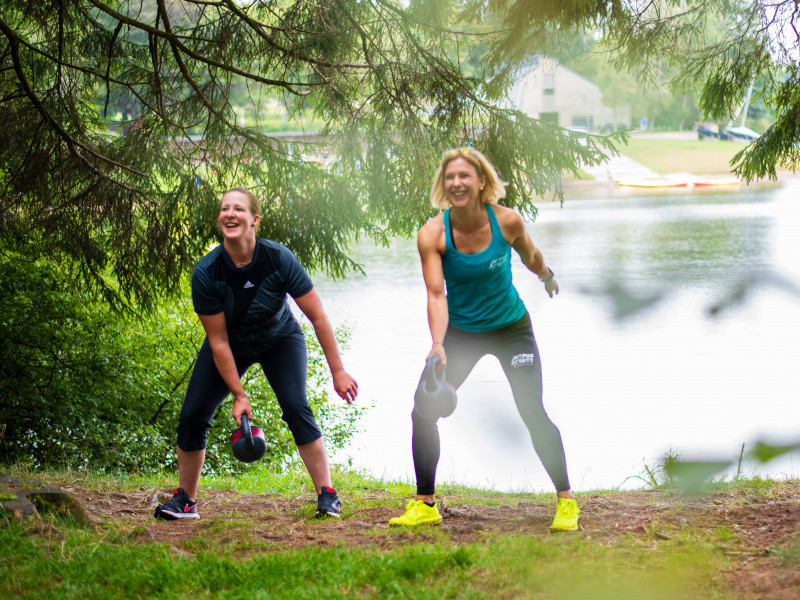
(551, 287)
(345, 386)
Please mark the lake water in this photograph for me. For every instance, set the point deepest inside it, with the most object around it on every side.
(636, 361)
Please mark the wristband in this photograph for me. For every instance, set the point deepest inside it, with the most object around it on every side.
(242, 395)
(548, 278)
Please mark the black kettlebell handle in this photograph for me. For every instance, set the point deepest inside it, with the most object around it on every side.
(247, 432)
(433, 380)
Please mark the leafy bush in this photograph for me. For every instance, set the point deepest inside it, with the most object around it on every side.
(83, 386)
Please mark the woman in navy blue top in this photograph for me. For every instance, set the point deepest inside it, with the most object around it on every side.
(474, 310)
(239, 292)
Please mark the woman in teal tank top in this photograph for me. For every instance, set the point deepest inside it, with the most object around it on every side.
(480, 296)
(474, 310)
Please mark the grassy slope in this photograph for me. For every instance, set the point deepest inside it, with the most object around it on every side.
(705, 157)
(56, 558)
(676, 156)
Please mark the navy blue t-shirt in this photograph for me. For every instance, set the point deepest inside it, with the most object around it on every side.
(253, 298)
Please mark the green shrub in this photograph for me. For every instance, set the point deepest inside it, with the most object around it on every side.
(83, 386)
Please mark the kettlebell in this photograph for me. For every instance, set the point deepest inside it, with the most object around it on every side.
(248, 443)
(434, 398)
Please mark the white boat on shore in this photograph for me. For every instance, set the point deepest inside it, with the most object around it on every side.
(678, 180)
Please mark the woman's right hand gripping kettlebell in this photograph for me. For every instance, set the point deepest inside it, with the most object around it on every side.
(241, 406)
(438, 350)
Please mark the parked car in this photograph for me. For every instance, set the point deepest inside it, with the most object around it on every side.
(706, 133)
(612, 127)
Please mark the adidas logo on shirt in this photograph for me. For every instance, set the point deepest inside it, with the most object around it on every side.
(248, 285)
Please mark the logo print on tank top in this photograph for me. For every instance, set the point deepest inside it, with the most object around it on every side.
(498, 263)
(248, 285)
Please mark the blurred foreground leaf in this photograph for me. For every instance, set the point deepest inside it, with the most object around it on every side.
(764, 452)
(691, 476)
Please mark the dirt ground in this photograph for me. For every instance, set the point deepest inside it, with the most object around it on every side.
(754, 531)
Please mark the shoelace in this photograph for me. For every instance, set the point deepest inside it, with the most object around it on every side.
(568, 509)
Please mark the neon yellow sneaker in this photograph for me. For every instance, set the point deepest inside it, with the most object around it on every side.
(418, 513)
(566, 515)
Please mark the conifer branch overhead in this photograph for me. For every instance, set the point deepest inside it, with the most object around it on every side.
(123, 120)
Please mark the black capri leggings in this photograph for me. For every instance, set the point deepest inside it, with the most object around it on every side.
(285, 366)
(516, 349)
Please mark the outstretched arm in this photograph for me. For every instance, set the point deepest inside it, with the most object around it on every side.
(217, 333)
(428, 240)
(343, 383)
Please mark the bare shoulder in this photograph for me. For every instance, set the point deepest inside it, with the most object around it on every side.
(430, 233)
(510, 221)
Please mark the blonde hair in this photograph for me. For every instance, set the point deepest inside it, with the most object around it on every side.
(252, 202)
(494, 189)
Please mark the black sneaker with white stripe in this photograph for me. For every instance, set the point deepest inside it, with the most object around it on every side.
(181, 506)
(328, 503)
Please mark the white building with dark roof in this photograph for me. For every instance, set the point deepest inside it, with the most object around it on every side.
(547, 91)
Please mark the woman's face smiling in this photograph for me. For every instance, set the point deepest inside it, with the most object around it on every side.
(235, 217)
(461, 182)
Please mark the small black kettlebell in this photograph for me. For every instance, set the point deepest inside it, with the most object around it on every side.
(434, 398)
(248, 443)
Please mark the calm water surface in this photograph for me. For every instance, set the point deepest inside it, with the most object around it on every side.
(636, 361)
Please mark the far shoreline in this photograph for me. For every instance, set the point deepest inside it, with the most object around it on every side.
(667, 153)
(588, 189)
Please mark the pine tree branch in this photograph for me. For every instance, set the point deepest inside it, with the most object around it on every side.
(159, 33)
(70, 141)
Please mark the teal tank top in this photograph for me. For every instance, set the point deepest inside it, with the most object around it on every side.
(480, 295)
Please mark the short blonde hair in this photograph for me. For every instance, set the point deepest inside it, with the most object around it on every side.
(252, 201)
(494, 189)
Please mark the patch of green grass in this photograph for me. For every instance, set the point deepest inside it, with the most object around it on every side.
(757, 486)
(706, 157)
(571, 567)
(581, 176)
(699, 157)
(498, 566)
(790, 555)
(725, 534)
(57, 558)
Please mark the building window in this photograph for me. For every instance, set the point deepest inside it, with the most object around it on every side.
(549, 117)
(549, 92)
(583, 121)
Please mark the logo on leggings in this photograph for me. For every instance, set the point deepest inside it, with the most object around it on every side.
(521, 360)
